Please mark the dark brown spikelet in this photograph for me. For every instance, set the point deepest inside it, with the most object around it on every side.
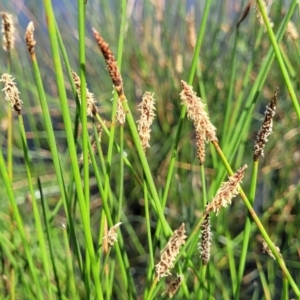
(266, 128)
(8, 30)
(174, 286)
(29, 38)
(110, 62)
(244, 13)
(205, 241)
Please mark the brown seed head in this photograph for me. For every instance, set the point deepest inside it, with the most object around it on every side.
(266, 128)
(226, 192)
(205, 241)
(8, 30)
(110, 62)
(11, 92)
(91, 108)
(29, 37)
(174, 286)
(147, 108)
(169, 253)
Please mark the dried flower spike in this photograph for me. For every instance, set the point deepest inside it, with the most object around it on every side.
(91, 107)
(8, 30)
(266, 128)
(205, 131)
(11, 92)
(266, 249)
(291, 31)
(29, 38)
(245, 13)
(146, 107)
(205, 241)
(267, 9)
(112, 234)
(174, 286)
(169, 253)
(110, 62)
(121, 117)
(226, 192)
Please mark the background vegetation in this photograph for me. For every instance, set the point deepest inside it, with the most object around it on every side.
(236, 74)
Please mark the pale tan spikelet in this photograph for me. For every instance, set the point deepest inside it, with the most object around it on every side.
(192, 36)
(267, 250)
(226, 192)
(196, 112)
(205, 240)
(29, 38)
(173, 286)
(147, 108)
(266, 128)
(11, 92)
(121, 116)
(179, 63)
(259, 15)
(200, 143)
(292, 31)
(91, 108)
(112, 234)
(169, 253)
(110, 62)
(8, 31)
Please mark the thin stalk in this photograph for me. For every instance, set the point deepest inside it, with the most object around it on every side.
(17, 217)
(260, 227)
(71, 144)
(84, 134)
(280, 60)
(246, 232)
(37, 217)
(45, 213)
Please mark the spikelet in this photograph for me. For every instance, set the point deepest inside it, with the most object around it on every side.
(29, 38)
(267, 250)
(147, 108)
(8, 31)
(205, 131)
(245, 13)
(11, 92)
(91, 108)
(121, 117)
(169, 253)
(266, 128)
(173, 286)
(110, 62)
(205, 241)
(112, 234)
(292, 31)
(259, 15)
(226, 192)
(192, 36)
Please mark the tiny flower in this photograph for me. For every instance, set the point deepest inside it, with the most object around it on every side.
(8, 30)
(169, 253)
(146, 107)
(266, 128)
(29, 37)
(205, 241)
(11, 92)
(112, 234)
(174, 286)
(91, 108)
(267, 250)
(226, 192)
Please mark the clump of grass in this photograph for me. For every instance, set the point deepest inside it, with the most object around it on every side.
(120, 179)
